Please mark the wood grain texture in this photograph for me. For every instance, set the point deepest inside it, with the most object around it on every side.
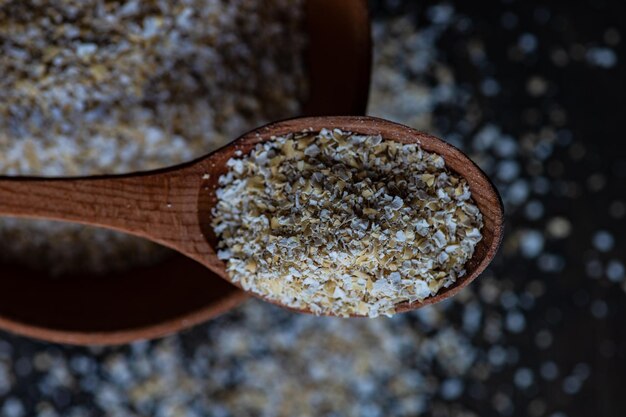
(160, 206)
(148, 302)
(173, 206)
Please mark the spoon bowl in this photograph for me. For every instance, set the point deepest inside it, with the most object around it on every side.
(173, 206)
(483, 191)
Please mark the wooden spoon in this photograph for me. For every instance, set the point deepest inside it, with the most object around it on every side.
(172, 206)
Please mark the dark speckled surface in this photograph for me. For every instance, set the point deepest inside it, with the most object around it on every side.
(533, 91)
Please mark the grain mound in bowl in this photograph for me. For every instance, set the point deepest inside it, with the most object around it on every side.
(95, 87)
(344, 224)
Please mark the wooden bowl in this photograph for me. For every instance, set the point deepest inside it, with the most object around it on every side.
(179, 293)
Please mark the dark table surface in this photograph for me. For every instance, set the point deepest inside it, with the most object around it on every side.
(534, 91)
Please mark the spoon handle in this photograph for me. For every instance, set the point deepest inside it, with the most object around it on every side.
(155, 206)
